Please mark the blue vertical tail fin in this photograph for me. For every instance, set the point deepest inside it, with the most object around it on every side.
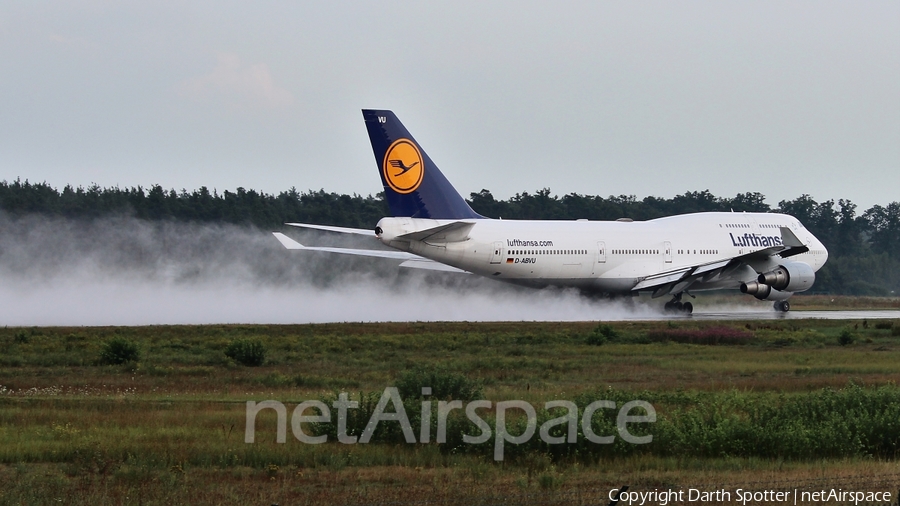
(413, 185)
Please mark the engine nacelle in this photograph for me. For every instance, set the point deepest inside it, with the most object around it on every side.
(790, 277)
(764, 292)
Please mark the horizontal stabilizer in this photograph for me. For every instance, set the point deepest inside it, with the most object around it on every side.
(291, 244)
(329, 228)
(451, 232)
(287, 242)
(430, 265)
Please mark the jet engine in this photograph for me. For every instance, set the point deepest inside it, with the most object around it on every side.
(790, 277)
(764, 292)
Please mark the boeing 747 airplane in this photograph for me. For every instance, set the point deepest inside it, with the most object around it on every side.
(769, 256)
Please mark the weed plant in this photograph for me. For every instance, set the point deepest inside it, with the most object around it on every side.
(601, 335)
(119, 350)
(248, 352)
(846, 338)
(444, 384)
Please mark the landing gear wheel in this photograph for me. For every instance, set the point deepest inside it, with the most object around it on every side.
(676, 306)
(782, 306)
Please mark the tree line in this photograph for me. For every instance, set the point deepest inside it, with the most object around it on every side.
(864, 247)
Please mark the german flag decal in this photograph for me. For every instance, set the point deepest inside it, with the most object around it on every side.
(509, 260)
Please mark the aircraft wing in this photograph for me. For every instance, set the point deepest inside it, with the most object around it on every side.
(681, 279)
(411, 261)
(662, 278)
(678, 280)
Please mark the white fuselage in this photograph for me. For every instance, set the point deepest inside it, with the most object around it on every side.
(606, 256)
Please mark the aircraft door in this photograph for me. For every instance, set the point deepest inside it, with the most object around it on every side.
(667, 250)
(497, 252)
(601, 258)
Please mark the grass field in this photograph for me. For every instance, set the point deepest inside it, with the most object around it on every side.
(758, 405)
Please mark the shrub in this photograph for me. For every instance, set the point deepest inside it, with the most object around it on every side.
(883, 325)
(248, 352)
(444, 384)
(119, 350)
(846, 338)
(895, 329)
(21, 338)
(601, 335)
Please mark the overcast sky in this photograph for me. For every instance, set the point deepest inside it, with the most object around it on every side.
(600, 98)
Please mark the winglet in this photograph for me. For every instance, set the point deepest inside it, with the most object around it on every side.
(793, 244)
(287, 242)
(789, 239)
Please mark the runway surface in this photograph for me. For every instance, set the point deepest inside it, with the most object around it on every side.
(774, 315)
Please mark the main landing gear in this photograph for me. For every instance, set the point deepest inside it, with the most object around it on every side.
(782, 306)
(676, 306)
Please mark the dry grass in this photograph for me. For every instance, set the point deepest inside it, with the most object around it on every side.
(169, 429)
(443, 486)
